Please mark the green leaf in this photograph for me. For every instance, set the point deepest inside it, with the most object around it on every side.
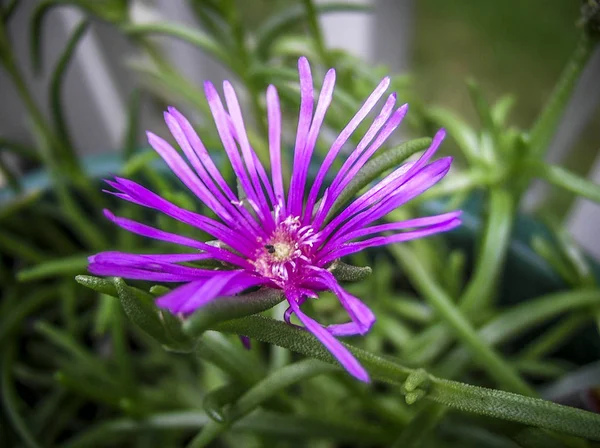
(459, 130)
(464, 397)
(141, 312)
(226, 308)
(36, 28)
(18, 203)
(11, 175)
(167, 84)
(517, 408)
(521, 317)
(10, 400)
(18, 149)
(479, 291)
(348, 273)
(377, 166)
(107, 286)
(232, 358)
(481, 106)
(57, 267)
(563, 178)
(20, 248)
(262, 422)
(263, 390)
(501, 109)
(547, 122)
(56, 84)
(13, 318)
(189, 35)
(423, 281)
(285, 21)
(113, 11)
(130, 142)
(215, 401)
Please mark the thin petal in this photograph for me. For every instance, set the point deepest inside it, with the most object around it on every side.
(304, 120)
(222, 122)
(346, 329)
(196, 153)
(186, 175)
(161, 235)
(302, 160)
(344, 135)
(387, 240)
(274, 116)
(390, 193)
(148, 267)
(336, 348)
(192, 296)
(142, 196)
(358, 311)
(364, 142)
(250, 157)
(401, 225)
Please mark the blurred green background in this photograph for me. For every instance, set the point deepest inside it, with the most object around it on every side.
(509, 47)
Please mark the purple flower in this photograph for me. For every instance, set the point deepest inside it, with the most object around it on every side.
(273, 239)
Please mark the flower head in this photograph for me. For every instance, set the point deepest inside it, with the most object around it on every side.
(270, 238)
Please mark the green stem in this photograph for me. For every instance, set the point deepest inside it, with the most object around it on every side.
(482, 401)
(488, 359)
(490, 261)
(545, 126)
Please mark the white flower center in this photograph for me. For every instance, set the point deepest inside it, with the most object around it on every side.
(285, 250)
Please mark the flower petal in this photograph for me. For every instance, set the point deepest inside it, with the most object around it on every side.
(358, 311)
(274, 118)
(161, 235)
(336, 348)
(351, 248)
(304, 121)
(343, 137)
(188, 298)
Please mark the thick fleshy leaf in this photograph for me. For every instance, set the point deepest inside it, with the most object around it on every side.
(141, 313)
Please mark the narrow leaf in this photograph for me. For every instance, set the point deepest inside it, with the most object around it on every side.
(10, 400)
(563, 178)
(56, 84)
(107, 286)
(189, 35)
(215, 401)
(140, 312)
(36, 28)
(348, 273)
(464, 397)
(282, 23)
(57, 267)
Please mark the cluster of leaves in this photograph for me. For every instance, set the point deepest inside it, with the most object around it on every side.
(102, 366)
